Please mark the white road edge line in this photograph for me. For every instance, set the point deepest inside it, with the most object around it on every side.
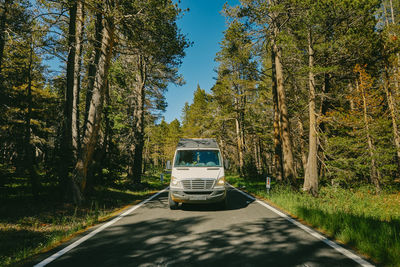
(91, 234)
(312, 232)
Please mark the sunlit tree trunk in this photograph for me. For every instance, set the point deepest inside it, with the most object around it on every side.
(287, 155)
(3, 24)
(28, 147)
(396, 66)
(375, 175)
(76, 80)
(139, 115)
(98, 87)
(288, 162)
(239, 146)
(70, 135)
(311, 174)
(302, 145)
(277, 159)
(257, 154)
(393, 112)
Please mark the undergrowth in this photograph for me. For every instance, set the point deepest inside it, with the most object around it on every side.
(357, 217)
(29, 226)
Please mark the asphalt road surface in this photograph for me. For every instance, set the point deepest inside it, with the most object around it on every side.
(246, 234)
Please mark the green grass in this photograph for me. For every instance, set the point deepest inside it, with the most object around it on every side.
(357, 217)
(29, 226)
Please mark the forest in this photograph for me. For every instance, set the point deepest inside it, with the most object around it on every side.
(85, 124)
(306, 92)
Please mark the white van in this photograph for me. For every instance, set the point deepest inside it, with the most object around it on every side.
(197, 174)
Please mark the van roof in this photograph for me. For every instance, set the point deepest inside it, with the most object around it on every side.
(197, 143)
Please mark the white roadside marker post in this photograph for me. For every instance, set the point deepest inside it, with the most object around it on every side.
(268, 183)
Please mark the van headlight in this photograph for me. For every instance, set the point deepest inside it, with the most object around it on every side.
(175, 182)
(221, 181)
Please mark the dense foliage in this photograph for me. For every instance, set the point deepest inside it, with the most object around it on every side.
(305, 89)
(84, 125)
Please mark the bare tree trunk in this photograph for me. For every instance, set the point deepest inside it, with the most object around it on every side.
(76, 78)
(69, 143)
(92, 128)
(93, 64)
(29, 150)
(391, 11)
(258, 155)
(3, 25)
(302, 146)
(375, 175)
(288, 163)
(311, 177)
(277, 159)
(393, 112)
(146, 155)
(396, 66)
(140, 93)
(239, 146)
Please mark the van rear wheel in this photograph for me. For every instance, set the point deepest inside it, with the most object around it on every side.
(172, 204)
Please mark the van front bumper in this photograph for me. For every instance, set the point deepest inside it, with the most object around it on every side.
(191, 196)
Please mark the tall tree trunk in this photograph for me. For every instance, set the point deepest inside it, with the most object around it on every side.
(108, 132)
(69, 143)
(239, 146)
(92, 128)
(3, 25)
(393, 112)
(375, 175)
(396, 66)
(140, 92)
(311, 174)
(257, 154)
(288, 162)
(76, 79)
(28, 147)
(391, 11)
(93, 64)
(277, 159)
(238, 98)
(302, 145)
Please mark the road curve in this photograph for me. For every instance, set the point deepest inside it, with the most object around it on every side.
(246, 234)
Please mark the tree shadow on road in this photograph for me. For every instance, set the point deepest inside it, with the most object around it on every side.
(195, 239)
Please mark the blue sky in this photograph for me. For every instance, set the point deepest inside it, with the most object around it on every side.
(203, 25)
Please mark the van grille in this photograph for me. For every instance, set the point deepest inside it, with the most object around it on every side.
(199, 184)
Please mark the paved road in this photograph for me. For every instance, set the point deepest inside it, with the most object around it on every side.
(246, 234)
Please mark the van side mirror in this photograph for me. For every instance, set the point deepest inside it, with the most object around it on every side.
(226, 164)
(169, 165)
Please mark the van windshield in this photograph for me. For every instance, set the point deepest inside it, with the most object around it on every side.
(197, 158)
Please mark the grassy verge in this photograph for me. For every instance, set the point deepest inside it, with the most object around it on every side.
(357, 217)
(29, 226)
